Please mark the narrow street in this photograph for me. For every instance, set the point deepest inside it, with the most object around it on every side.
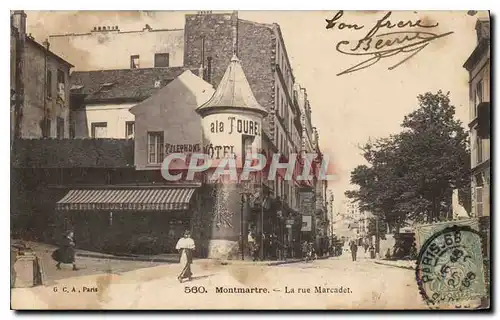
(335, 283)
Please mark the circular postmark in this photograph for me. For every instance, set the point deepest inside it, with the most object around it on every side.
(449, 267)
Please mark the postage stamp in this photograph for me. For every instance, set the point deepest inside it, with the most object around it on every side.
(449, 268)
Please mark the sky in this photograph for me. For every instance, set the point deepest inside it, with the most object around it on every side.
(348, 109)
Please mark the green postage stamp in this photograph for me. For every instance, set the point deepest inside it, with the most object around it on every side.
(450, 271)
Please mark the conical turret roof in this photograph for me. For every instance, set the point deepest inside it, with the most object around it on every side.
(233, 92)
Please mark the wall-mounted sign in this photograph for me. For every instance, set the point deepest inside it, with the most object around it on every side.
(219, 152)
(306, 223)
(179, 148)
(234, 125)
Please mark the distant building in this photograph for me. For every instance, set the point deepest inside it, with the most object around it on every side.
(108, 47)
(39, 86)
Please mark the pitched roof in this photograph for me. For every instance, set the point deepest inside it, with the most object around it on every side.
(51, 53)
(71, 153)
(122, 84)
(233, 92)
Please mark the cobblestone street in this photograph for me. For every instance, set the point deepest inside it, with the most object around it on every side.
(335, 283)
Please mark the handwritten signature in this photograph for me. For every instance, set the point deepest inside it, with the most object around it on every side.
(377, 46)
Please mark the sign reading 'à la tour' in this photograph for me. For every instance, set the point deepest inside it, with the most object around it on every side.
(233, 125)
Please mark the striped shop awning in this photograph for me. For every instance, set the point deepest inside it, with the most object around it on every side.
(170, 199)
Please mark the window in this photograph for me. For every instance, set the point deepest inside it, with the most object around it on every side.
(60, 84)
(49, 84)
(478, 98)
(46, 126)
(129, 129)
(161, 60)
(155, 147)
(479, 201)
(247, 146)
(60, 128)
(72, 129)
(134, 62)
(99, 129)
(479, 150)
(277, 100)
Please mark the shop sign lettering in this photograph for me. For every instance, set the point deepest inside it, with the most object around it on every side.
(219, 152)
(234, 125)
(173, 148)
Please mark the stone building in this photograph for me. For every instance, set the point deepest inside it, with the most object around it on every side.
(41, 107)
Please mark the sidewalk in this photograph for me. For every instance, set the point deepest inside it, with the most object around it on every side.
(404, 264)
(264, 263)
(163, 258)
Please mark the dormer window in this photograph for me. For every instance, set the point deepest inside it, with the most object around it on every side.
(107, 86)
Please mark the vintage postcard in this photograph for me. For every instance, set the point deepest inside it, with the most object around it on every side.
(330, 160)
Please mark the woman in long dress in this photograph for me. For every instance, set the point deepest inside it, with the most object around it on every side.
(66, 253)
(185, 245)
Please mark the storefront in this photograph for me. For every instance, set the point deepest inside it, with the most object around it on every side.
(128, 220)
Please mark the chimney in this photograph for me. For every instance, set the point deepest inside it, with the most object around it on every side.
(46, 44)
(209, 70)
(202, 64)
(19, 21)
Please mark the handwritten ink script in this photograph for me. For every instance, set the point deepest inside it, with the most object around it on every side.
(379, 44)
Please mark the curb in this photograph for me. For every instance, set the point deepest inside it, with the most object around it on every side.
(126, 258)
(263, 263)
(394, 266)
(174, 260)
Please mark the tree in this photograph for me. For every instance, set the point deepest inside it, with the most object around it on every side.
(412, 175)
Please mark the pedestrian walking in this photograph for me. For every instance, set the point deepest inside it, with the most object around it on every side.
(304, 250)
(66, 252)
(253, 246)
(185, 245)
(354, 250)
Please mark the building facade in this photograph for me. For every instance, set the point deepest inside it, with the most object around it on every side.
(41, 106)
(112, 48)
(478, 67)
(206, 44)
(101, 99)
